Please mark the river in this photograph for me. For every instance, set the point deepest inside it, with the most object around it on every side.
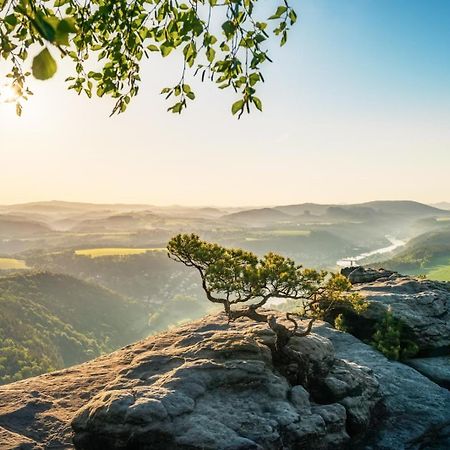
(349, 260)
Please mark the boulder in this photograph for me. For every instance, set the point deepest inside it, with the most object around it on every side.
(224, 393)
(423, 306)
(360, 274)
(214, 385)
(207, 385)
(416, 412)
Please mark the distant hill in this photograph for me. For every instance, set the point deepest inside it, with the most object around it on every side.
(14, 226)
(442, 205)
(53, 206)
(427, 254)
(62, 210)
(50, 321)
(168, 291)
(130, 221)
(304, 209)
(257, 216)
(403, 207)
(313, 212)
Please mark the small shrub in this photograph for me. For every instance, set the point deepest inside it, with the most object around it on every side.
(389, 339)
(340, 324)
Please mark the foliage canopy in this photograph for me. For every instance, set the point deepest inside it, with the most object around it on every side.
(221, 40)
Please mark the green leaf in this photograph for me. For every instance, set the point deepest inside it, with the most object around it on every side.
(63, 29)
(166, 49)
(237, 106)
(66, 25)
(210, 54)
(280, 11)
(292, 16)
(46, 26)
(44, 66)
(257, 102)
(229, 28)
(11, 20)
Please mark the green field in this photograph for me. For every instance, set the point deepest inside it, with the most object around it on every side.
(11, 263)
(439, 270)
(118, 251)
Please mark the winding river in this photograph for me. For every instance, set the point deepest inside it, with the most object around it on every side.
(351, 260)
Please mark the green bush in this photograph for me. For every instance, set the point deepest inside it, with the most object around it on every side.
(389, 339)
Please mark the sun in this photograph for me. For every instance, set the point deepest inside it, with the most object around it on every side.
(10, 93)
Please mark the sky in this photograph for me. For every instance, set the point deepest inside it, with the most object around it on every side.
(356, 108)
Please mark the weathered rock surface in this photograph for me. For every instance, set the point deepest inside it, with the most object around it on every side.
(360, 274)
(416, 411)
(212, 385)
(208, 385)
(217, 389)
(436, 369)
(423, 306)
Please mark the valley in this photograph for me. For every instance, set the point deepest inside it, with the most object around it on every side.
(99, 276)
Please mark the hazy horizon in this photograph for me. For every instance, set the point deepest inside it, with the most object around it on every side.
(211, 205)
(356, 107)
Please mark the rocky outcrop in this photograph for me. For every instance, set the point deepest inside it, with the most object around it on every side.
(423, 307)
(360, 274)
(208, 385)
(416, 411)
(217, 388)
(214, 385)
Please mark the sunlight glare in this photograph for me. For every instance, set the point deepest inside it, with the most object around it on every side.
(10, 93)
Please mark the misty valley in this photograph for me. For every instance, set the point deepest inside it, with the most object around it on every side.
(79, 280)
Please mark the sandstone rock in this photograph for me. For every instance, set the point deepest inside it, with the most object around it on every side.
(416, 411)
(361, 274)
(436, 369)
(231, 397)
(207, 385)
(423, 306)
(212, 385)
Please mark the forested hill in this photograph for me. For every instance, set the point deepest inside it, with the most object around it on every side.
(49, 321)
(427, 254)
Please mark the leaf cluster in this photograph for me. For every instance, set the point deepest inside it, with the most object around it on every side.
(220, 40)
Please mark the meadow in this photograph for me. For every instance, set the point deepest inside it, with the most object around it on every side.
(12, 263)
(439, 269)
(118, 251)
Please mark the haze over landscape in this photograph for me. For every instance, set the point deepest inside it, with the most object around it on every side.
(356, 108)
(196, 281)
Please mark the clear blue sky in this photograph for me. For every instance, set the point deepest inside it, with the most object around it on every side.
(356, 107)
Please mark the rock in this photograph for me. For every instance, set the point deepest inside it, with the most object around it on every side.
(360, 274)
(239, 400)
(213, 385)
(208, 385)
(423, 307)
(11, 441)
(416, 411)
(436, 369)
